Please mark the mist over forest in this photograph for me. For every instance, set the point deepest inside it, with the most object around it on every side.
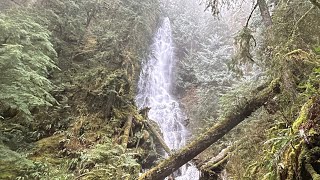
(160, 89)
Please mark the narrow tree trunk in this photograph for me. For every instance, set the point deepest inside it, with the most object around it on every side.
(126, 132)
(158, 136)
(265, 14)
(211, 136)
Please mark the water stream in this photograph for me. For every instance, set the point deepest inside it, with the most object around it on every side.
(154, 91)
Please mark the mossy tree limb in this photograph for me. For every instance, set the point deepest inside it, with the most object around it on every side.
(303, 115)
(312, 172)
(158, 136)
(211, 136)
(216, 161)
(211, 166)
(126, 132)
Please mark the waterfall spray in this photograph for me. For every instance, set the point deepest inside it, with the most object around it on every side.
(154, 91)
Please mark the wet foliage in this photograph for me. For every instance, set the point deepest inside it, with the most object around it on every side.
(67, 88)
(69, 69)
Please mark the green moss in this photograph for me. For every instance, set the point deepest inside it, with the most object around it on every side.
(303, 116)
(313, 173)
(313, 132)
(13, 164)
(317, 49)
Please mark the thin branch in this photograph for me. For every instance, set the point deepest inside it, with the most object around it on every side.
(254, 8)
(299, 20)
(315, 3)
(305, 14)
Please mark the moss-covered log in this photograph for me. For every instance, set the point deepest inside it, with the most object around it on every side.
(126, 132)
(224, 125)
(303, 115)
(313, 173)
(158, 136)
(216, 161)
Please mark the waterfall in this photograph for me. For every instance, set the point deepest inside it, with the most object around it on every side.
(154, 91)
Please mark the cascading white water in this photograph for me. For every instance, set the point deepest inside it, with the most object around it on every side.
(154, 91)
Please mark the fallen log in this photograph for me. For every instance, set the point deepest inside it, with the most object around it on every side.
(158, 136)
(224, 125)
(217, 160)
(126, 132)
(213, 161)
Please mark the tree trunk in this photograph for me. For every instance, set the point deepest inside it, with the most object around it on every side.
(265, 14)
(158, 136)
(126, 132)
(211, 136)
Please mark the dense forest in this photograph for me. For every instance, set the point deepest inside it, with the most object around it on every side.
(90, 89)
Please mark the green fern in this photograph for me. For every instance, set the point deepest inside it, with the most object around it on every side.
(26, 56)
(110, 162)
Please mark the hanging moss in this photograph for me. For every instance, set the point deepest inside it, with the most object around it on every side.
(303, 115)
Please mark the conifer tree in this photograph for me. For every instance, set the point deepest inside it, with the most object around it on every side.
(26, 56)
